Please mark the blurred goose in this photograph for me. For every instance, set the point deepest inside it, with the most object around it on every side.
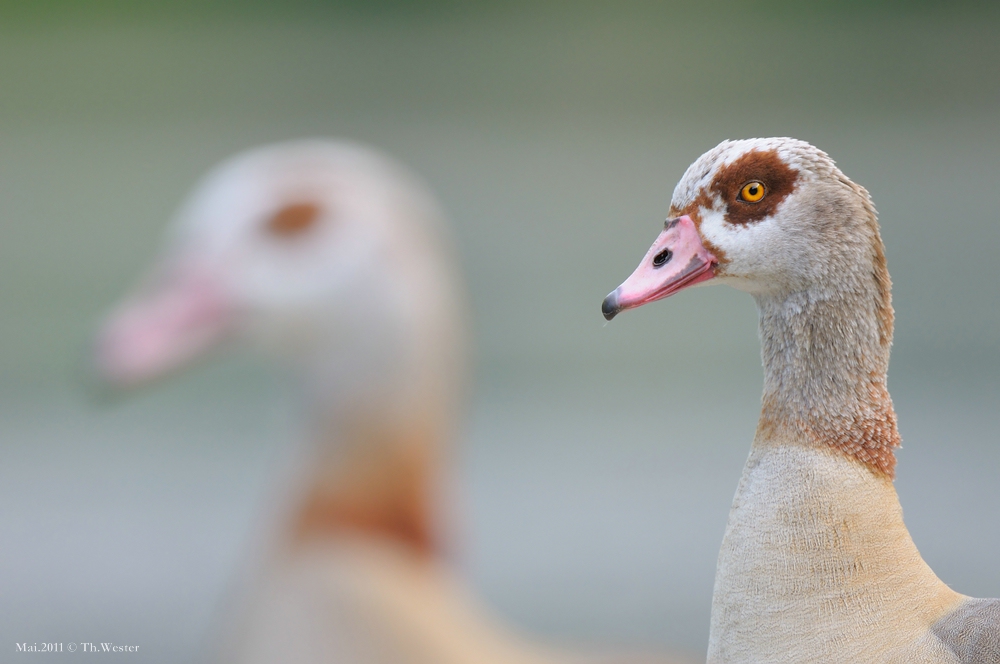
(331, 258)
(816, 564)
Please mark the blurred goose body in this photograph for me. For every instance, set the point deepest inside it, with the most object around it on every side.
(333, 259)
(816, 564)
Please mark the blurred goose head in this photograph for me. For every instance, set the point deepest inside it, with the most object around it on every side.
(323, 254)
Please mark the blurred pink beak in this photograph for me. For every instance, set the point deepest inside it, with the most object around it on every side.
(676, 260)
(162, 327)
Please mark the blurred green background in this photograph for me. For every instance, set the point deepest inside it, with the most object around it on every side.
(599, 459)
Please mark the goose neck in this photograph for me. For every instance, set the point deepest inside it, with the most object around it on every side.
(826, 353)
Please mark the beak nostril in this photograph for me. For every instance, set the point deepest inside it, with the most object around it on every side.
(662, 258)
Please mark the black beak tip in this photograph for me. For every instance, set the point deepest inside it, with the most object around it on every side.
(610, 306)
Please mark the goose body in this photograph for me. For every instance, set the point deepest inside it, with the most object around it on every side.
(816, 564)
(365, 601)
(331, 259)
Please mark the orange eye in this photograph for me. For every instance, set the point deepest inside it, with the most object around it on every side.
(293, 219)
(752, 192)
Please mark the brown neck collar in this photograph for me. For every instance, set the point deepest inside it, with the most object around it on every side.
(381, 485)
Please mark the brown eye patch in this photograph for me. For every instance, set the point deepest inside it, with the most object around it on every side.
(765, 167)
(293, 219)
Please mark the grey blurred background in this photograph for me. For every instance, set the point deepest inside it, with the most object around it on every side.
(599, 460)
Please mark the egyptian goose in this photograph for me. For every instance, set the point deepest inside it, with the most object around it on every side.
(816, 564)
(330, 257)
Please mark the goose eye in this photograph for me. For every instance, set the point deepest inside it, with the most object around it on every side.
(293, 219)
(752, 192)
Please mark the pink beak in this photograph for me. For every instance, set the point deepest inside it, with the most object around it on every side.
(676, 260)
(162, 327)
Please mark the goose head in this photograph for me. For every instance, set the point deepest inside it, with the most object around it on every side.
(775, 217)
(322, 254)
(770, 216)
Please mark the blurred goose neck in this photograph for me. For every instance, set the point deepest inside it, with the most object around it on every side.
(378, 479)
(384, 416)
